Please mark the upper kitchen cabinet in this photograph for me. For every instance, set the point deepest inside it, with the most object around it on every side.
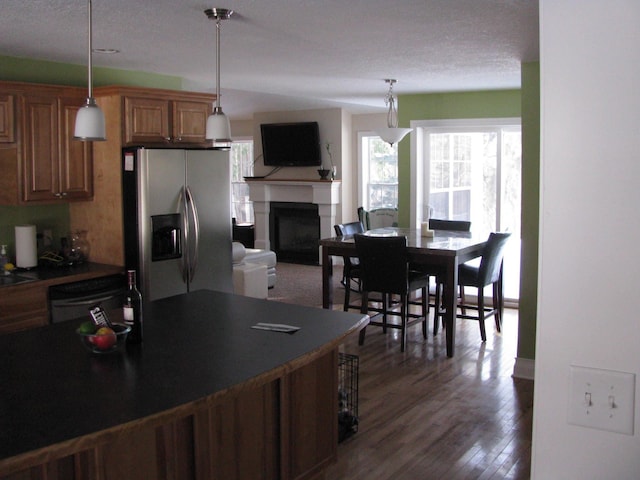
(55, 166)
(162, 118)
(7, 115)
(41, 163)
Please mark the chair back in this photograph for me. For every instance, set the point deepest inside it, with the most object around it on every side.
(451, 225)
(350, 228)
(384, 263)
(380, 218)
(492, 256)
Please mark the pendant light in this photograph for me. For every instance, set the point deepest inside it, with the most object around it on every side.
(392, 134)
(218, 127)
(90, 119)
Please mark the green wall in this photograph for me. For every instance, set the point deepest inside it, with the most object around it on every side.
(490, 104)
(56, 216)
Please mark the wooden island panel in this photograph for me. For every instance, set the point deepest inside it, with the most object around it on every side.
(237, 404)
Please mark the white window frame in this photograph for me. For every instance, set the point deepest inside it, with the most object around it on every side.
(363, 171)
(231, 182)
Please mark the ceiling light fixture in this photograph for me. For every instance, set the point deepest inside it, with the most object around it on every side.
(90, 119)
(218, 127)
(392, 134)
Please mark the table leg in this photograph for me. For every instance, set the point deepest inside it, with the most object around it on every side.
(450, 302)
(327, 279)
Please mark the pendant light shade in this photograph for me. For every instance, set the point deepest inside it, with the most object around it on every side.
(392, 134)
(90, 124)
(218, 127)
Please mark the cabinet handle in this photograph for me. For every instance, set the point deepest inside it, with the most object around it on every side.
(179, 139)
(167, 139)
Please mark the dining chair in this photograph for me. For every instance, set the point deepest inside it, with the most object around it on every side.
(488, 272)
(450, 225)
(378, 217)
(384, 268)
(351, 269)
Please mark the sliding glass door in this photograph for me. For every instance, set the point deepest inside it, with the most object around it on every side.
(472, 172)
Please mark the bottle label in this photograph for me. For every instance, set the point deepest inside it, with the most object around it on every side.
(128, 315)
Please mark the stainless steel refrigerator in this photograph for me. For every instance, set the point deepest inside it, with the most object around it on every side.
(177, 220)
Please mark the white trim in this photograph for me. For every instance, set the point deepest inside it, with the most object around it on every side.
(524, 368)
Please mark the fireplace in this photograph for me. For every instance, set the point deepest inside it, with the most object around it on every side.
(294, 229)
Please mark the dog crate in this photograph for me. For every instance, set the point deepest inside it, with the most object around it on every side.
(347, 395)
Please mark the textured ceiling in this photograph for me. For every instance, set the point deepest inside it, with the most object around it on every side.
(290, 54)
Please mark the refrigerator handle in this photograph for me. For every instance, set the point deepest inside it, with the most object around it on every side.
(196, 232)
(184, 261)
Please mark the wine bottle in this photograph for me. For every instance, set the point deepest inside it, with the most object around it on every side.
(132, 309)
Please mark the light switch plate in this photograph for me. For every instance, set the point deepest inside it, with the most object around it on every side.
(602, 399)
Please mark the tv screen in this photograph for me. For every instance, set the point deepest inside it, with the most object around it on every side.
(291, 144)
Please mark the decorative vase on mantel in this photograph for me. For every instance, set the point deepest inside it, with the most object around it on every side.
(324, 173)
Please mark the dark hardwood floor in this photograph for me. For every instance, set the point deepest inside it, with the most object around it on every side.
(425, 416)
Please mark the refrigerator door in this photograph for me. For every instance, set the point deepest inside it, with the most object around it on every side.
(161, 176)
(208, 181)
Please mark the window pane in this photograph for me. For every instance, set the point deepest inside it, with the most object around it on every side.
(241, 166)
(381, 173)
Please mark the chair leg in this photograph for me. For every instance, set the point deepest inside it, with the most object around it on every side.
(385, 305)
(496, 306)
(425, 311)
(403, 316)
(347, 296)
(483, 332)
(363, 309)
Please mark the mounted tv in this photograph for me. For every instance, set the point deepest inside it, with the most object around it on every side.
(291, 144)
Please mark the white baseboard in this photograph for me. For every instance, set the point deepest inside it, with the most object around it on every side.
(524, 368)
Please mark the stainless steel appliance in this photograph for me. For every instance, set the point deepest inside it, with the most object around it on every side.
(177, 220)
(69, 301)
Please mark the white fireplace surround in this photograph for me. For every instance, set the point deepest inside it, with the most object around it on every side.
(325, 194)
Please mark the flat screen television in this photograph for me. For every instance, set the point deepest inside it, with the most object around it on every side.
(291, 144)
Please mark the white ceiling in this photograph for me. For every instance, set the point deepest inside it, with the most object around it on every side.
(290, 54)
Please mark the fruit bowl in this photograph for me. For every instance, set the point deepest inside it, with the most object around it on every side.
(104, 340)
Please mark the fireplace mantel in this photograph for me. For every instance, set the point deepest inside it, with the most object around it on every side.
(324, 193)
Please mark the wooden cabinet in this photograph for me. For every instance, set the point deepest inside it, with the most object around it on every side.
(163, 121)
(7, 115)
(23, 307)
(41, 162)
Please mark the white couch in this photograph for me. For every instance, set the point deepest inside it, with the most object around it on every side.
(254, 270)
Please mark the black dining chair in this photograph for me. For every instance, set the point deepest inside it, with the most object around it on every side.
(450, 225)
(384, 268)
(489, 272)
(351, 269)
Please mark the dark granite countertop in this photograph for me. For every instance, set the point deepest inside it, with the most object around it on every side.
(52, 275)
(195, 345)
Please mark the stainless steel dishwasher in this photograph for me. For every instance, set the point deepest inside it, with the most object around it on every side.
(70, 301)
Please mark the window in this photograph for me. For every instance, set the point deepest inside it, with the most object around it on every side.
(241, 166)
(379, 173)
(470, 170)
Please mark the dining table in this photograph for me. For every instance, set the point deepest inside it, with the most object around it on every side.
(442, 250)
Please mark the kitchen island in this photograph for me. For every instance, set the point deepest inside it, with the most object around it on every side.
(205, 396)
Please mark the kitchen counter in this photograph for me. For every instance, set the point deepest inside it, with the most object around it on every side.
(198, 350)
(24, 304)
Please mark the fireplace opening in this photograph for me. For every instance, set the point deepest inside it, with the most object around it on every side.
(294, 231)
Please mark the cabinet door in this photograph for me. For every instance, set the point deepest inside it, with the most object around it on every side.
(40, 143)
(146, 120)
(76, 157)
(7, 125)
(190, 121)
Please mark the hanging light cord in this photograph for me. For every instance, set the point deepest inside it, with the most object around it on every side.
(392, 114)
(90, 54)
(218, 62)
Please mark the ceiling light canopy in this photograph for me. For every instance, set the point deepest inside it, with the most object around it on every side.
(392, 134)
(90, 124)
(218, 127)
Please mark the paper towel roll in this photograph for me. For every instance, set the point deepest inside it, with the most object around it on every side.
(26, 247)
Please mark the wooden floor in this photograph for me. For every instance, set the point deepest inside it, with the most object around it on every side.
(425, 416)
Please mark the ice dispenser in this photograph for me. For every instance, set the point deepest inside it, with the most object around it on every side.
(166, 238)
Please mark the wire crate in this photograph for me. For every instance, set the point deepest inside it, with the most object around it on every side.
(347, 395)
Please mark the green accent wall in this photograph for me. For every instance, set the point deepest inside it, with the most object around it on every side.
(522, 103)
(56, 216)
(42, 71)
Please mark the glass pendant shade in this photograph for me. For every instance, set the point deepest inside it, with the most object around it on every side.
(392, 135)
(219, 129)
(218, 126)
(90, 124)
